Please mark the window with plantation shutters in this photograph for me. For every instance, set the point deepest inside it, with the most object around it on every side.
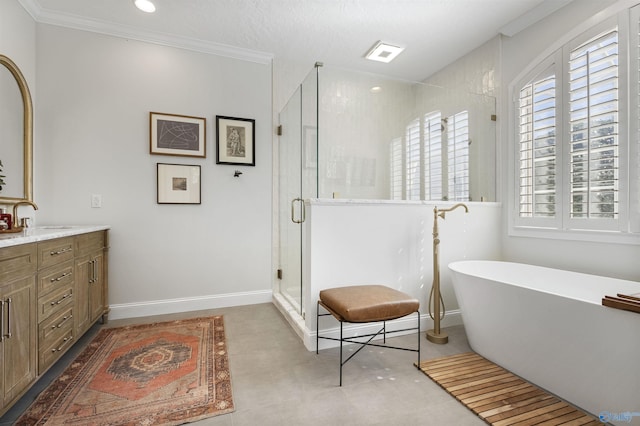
(458, 156)
(537, 153)
(433, 156)
(413, 168)
(593, 120)
(577, 125)
(395, 156)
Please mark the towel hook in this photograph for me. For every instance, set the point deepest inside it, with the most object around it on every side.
(237, 173)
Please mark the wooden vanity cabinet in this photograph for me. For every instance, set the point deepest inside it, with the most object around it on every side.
(51, 292)
(18, 324)
(91, 279)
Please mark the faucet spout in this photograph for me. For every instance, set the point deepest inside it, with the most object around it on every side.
(16, 221)
(441, 212)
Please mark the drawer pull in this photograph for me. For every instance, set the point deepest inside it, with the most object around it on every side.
(66, 274)
(61, 300)
(1, 320)
(8, 335)
(64, 250)
(64, 319)
(64, 341)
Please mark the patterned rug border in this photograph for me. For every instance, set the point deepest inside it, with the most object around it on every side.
(35, 414)
(498, 396)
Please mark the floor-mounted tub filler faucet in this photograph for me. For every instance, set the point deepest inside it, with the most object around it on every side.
(435, 335)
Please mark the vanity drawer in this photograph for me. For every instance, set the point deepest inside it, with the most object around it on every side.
(55, 252)
(17, 262)
(55, 277)
(54, 302)
(51, 329)
(50, 354)
(87, 243)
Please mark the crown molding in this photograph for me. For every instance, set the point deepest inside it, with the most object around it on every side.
(76, 22)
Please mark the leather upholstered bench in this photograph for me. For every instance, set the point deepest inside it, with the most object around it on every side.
(367, 304)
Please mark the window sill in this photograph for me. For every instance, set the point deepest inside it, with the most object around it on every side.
(575, 235)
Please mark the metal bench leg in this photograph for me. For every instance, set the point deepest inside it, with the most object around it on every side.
(418, 312)
(341, 353)
(317, 325)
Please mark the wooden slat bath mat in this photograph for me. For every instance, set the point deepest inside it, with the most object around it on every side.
(499, 397)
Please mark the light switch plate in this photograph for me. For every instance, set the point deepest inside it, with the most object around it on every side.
(96, 201)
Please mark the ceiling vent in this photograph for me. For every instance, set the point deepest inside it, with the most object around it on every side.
(383, 52)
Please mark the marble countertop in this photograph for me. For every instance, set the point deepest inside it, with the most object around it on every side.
(42, 233)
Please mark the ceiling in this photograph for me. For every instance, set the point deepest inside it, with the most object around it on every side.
(336, 32)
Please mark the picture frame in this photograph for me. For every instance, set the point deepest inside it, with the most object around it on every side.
(181, 135)
(235, 141)
(178, 184)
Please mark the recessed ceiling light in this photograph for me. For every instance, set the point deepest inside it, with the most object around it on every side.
(383, 52)
(376, 89)
(145, 5)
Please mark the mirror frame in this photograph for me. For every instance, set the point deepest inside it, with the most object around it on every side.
(27, 141)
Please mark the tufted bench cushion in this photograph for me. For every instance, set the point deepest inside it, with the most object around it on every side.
(367, 303)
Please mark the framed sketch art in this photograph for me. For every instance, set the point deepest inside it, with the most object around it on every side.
(177, 135)
(235, 141)
(178, 184)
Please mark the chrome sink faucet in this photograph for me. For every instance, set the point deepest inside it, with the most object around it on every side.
(16, 221)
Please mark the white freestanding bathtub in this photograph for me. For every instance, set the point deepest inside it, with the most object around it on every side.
(549, 327)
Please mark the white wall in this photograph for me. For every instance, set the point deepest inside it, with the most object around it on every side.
(18, 39)
(533, 44)
(92, 117)
(17, 42)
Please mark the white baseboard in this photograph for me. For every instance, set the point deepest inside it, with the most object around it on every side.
(187, 304)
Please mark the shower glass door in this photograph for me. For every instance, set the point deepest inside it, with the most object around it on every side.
(290, 206)
(298, 181)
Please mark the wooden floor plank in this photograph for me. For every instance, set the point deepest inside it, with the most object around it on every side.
(454, 379)
(506, 401)
(566, 419)
(481, 387)
(475, 399)
(515, 406)
(444, 375)
(500, 397)
(513, 420)
(547, 416)
(522, 410)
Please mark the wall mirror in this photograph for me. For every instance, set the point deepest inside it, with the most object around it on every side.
(16, 138)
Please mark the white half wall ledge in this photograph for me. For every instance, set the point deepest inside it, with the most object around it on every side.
(189, 304)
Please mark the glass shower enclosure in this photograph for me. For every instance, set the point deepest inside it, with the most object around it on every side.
(352, 135)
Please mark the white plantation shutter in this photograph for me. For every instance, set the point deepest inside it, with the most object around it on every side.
(395, 155)
(578, 157)
(458, 156)
(433, 156)
(537, 154)
(594, 133)
(634, 134)
(413, 160)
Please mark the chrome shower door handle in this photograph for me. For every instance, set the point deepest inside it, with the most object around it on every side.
(293, 205)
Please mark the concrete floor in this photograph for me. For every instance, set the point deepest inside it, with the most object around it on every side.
(276, 381)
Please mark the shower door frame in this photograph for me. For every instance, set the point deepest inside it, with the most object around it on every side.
(298, 181)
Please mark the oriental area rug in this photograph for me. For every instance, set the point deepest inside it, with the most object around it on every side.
(167, 373)
(498, 396)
